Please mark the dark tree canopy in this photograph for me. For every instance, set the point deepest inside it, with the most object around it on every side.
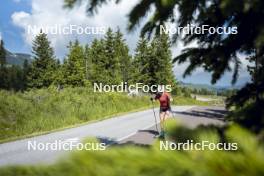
(2, 53)
(214, 52)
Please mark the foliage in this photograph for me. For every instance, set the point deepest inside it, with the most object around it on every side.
(11, 77)
(131, 160)
(181, 91)
(249, 115)
(227, 93)
(2, 54)
(73, 68)
(122, 54)
(153, 62)
(141, 61)
(3, 70)
(43, 110)
(97, 71)
(249, 101)
(47, 109)
(203, 91)
(44, 65)
(106, 61)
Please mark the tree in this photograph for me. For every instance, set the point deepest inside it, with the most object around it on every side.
(44, 64)
(12, 77)
(15, 78)
(3, 69)
(112, 62)
(88, 62)
(74, 65)
(162, 60)
(26, 70)
(2, 54)
(141, 62)
(249, 100)
(123, 57)
(153, 63)
(98, 60)
(109, 60)
(215, 52)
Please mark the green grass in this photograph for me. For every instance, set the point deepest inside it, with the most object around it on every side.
(248, 160)
(44, 110)
(40, 111)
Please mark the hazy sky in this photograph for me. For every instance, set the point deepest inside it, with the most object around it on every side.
(17, 15)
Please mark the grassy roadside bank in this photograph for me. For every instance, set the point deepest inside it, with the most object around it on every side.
(40, 111)
(43, 110)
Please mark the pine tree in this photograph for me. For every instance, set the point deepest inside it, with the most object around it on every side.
(3, 69)
(88, 62)
(15, 78)
(124, 59)
(141, 62)
(74, 65)
(153, 63)
(99, 73)
(2, 54)
(44, 65)
(112, 64)
(109, 59)
(162, 57)
(26, 70)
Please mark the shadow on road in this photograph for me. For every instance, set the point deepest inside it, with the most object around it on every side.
(107, 141)
(146, 137)
(154, 132)
(143, 138)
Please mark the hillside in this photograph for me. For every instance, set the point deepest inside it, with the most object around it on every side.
(209, 87)
(199, 86)
(17, 58)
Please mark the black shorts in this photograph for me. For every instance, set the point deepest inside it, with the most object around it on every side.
(165, 109)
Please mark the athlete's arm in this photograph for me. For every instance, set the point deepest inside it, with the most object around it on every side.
(169, 97)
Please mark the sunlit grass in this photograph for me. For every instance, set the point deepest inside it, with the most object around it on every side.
(134, 161)
(38, 111)
(43, 110)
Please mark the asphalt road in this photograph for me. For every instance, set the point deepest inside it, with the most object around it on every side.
(131, 127)
(190, 118)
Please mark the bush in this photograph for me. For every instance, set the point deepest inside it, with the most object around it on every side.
(131, 160)
(250, 115)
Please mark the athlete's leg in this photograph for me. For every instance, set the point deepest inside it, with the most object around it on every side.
(166, 115)
(162, 119)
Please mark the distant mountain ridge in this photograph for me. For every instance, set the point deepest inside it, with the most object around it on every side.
(17, 58)
(209, 87)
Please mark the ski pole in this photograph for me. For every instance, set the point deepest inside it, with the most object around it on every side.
(156, 123)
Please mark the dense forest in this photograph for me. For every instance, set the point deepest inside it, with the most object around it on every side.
(106, 61)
